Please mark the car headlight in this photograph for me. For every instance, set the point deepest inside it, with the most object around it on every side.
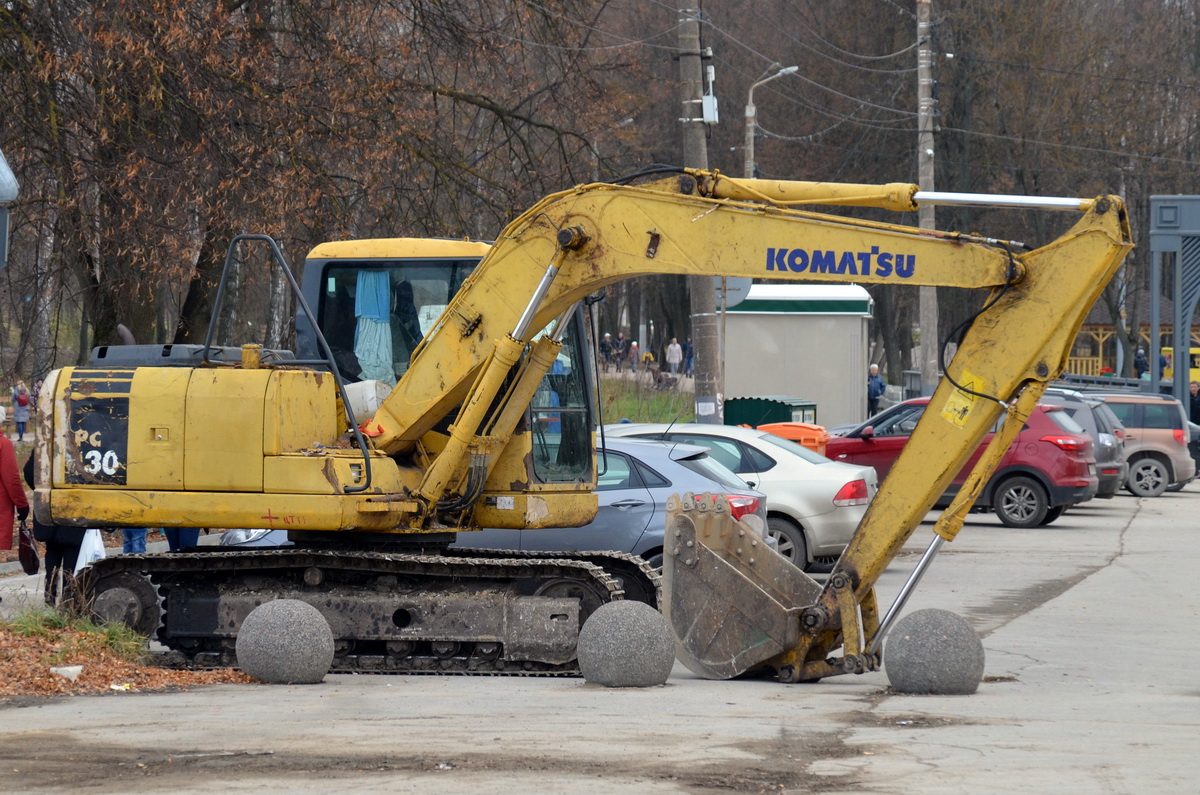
(232, 538)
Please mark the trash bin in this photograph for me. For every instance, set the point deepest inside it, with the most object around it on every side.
(754, 411)
(812, 436)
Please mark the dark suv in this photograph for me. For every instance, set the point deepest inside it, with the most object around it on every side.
(1050, 466)
(1107, 432)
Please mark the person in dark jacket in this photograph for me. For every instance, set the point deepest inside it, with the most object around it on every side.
(876, 386)
(62, 550)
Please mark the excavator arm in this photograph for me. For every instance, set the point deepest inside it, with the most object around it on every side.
(576, 242)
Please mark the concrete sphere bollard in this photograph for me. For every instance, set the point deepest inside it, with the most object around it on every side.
(626, 644)
(934, 652)
(285, 641)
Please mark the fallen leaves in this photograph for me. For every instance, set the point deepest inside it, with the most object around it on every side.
(25, 663)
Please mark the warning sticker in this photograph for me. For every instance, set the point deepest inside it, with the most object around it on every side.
(960, 404)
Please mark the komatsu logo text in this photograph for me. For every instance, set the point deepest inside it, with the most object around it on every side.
(844, 263)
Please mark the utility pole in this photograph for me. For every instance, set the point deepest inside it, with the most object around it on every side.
(705, 326)
(927, 296)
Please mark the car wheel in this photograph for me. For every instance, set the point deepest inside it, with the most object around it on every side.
(1020, 502)
(656, 560)
(1148, 477)
(790, 539)
(1053, 514)
(1176, 487)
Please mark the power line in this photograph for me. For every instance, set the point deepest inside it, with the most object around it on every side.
(810, 81)
(1073, 147)
(847, 53)
(1072, 73)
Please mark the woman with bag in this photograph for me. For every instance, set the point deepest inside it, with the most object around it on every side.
(62, 548)
(12, 493)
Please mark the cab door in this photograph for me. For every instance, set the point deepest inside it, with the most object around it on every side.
(626, 507)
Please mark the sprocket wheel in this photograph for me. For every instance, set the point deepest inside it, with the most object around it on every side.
(127, 598)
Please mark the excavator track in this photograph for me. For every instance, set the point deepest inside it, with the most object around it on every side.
(461, 611)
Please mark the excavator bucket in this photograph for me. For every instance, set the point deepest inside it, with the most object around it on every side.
(732, 602)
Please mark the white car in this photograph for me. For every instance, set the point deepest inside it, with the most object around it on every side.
(814, 504)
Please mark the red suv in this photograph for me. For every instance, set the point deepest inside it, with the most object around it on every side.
(1051, 465)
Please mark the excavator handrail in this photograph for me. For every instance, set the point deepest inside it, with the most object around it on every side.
(328, 361)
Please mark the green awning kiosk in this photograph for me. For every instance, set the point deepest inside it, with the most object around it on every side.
(755, 411)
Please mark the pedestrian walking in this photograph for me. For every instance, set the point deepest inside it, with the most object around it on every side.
(674, 356)
(12, 493)
(21, 402)
(1141, 365)
(619, 351)
(876, 386)
(689, 357)
(62, 551)
(633, 357)
(606, 349)
(135, 541)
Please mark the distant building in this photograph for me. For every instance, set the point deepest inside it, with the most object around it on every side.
(802, 341)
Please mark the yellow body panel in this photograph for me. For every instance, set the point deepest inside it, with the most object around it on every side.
(301, 412)
(297, 473)
(226, 509)
(517, 510)
(223, 439)
(386, 248)
(156, 449)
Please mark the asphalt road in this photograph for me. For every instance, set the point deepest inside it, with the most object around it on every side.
(1089, 626)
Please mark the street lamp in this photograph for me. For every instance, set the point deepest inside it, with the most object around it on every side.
(751, 116)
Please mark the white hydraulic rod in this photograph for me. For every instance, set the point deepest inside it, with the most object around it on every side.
(1002, 200)
(894, 611)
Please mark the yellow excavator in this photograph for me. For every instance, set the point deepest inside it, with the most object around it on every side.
(443, 386)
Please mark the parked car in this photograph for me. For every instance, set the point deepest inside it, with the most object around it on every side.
(1157, 440)
(1107, 432)
(814, 504)
(1049, 467)
(635, 480)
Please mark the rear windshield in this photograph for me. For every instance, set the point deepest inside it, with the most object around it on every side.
(1065, 422)
(706, 466)
(800, 450)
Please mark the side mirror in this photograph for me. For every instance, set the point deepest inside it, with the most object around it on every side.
(867, 432)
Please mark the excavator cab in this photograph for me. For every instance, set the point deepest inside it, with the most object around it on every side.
(375, 301)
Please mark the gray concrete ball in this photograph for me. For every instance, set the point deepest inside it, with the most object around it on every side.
(285, 641)
(626, 644)
(933, 652)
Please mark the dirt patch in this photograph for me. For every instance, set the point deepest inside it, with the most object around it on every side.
(1014, 603)
(45, 759)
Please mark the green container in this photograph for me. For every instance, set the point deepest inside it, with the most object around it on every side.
(755, 411)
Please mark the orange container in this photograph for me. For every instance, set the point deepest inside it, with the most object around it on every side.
(814, 437)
